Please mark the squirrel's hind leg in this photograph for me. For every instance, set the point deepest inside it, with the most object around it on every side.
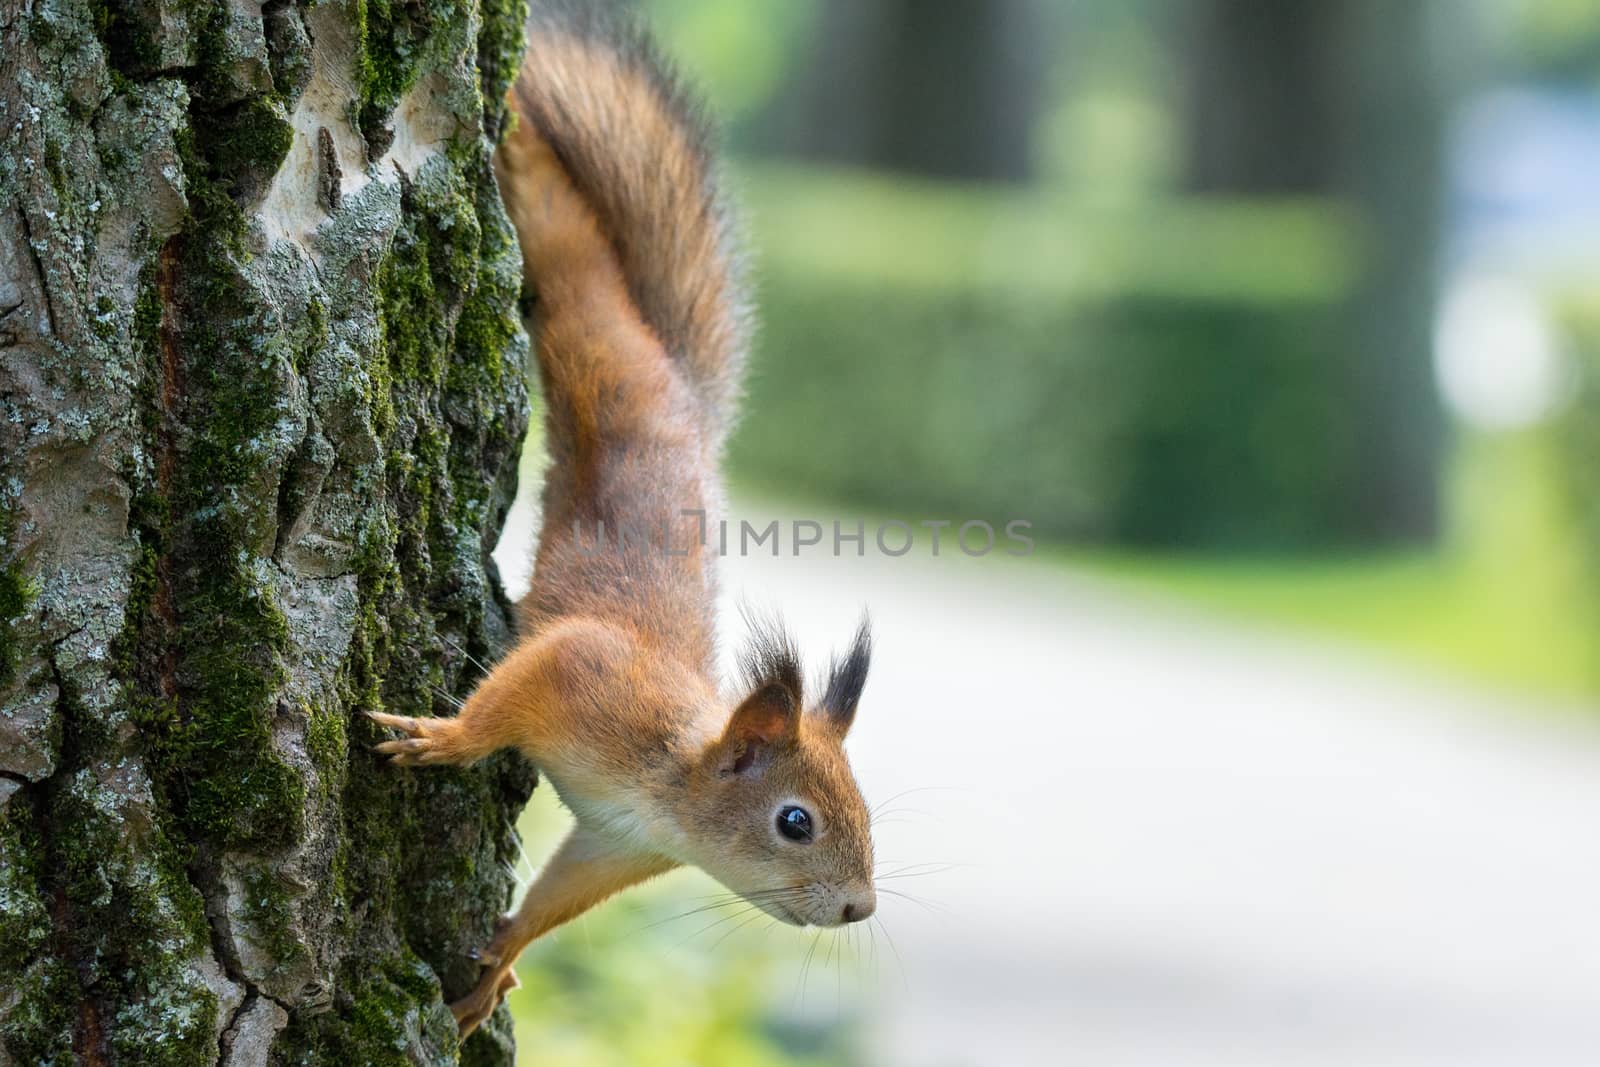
(585, 870)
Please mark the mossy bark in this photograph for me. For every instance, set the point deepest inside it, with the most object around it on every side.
(261, 392)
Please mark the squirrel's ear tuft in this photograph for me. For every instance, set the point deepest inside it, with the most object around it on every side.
(847, 677)
(770, 715)
(770, 658)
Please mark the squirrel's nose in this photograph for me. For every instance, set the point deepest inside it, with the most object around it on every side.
(860, 908)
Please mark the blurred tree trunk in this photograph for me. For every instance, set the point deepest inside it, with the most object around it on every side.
(1261, 83)
(1345, 99)
(950, 89)
(262, 392)
(1394, 172)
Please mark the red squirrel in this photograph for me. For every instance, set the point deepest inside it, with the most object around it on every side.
(641, 330)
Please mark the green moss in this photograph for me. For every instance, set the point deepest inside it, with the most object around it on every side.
(246, 143)
(134, 923)
(99, 911)
(490, 349)
(500, 45)
(94, 884)
(168, 1021)
(430, 270)
(380, 1008)
(488, 338)
(24, 919)
(128, 35)
(210, 745)
(289, 51)
(17, 591)
(397, 39)
(132, 883)
(326, 741)
(38, 1028)
(375, 1031)
(316, 328)
(238, 791)
(211, 672)
(446, 336)
(447, 301)
(269, 914)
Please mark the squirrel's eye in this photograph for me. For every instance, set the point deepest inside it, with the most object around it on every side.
(794, 823)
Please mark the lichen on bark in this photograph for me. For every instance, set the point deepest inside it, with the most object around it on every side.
(261, 390)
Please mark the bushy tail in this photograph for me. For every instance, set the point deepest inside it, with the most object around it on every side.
(638, 151)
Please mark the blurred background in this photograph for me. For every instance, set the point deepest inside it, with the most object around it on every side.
(1280, 322)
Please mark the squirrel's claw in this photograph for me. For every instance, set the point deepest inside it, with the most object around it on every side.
(427, 740)
(492, 954)
(486, 956)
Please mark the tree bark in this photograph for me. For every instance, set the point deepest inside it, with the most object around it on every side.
(261, 393)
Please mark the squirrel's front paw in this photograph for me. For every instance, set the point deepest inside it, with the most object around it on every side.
(471, 1010)
(427, 740)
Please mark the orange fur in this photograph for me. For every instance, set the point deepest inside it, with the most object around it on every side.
(640, 340)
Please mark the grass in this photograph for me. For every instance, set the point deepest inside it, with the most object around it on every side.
(1506, 601)
(1432, 611)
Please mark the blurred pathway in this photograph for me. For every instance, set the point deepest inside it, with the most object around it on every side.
(1189, 845)
(1185, 845)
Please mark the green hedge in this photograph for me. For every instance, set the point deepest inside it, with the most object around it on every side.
(1164, 376)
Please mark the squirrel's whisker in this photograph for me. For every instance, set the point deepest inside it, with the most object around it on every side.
(522, 857)
(690, 913)
(899, 960)
(448, 697)
(713, 925)
(805, 967)
(911, 874)
(878, 815)
(469, 657)
(928, 905)
(920, 789)
(784, 895)
(730, 932)
(918, 870)
(838, 979)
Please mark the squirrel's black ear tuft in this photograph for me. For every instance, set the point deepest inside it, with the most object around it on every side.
(770, 658)
(847, 676)
(770, 714)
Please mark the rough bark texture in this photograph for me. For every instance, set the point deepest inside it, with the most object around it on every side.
(261, 389)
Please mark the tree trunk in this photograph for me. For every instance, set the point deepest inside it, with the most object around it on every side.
(950, 89)
(1261, 92)
(1401, 83)
(1345, 98)
(262, 388)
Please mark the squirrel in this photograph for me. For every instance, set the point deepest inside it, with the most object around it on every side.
(641, 326)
